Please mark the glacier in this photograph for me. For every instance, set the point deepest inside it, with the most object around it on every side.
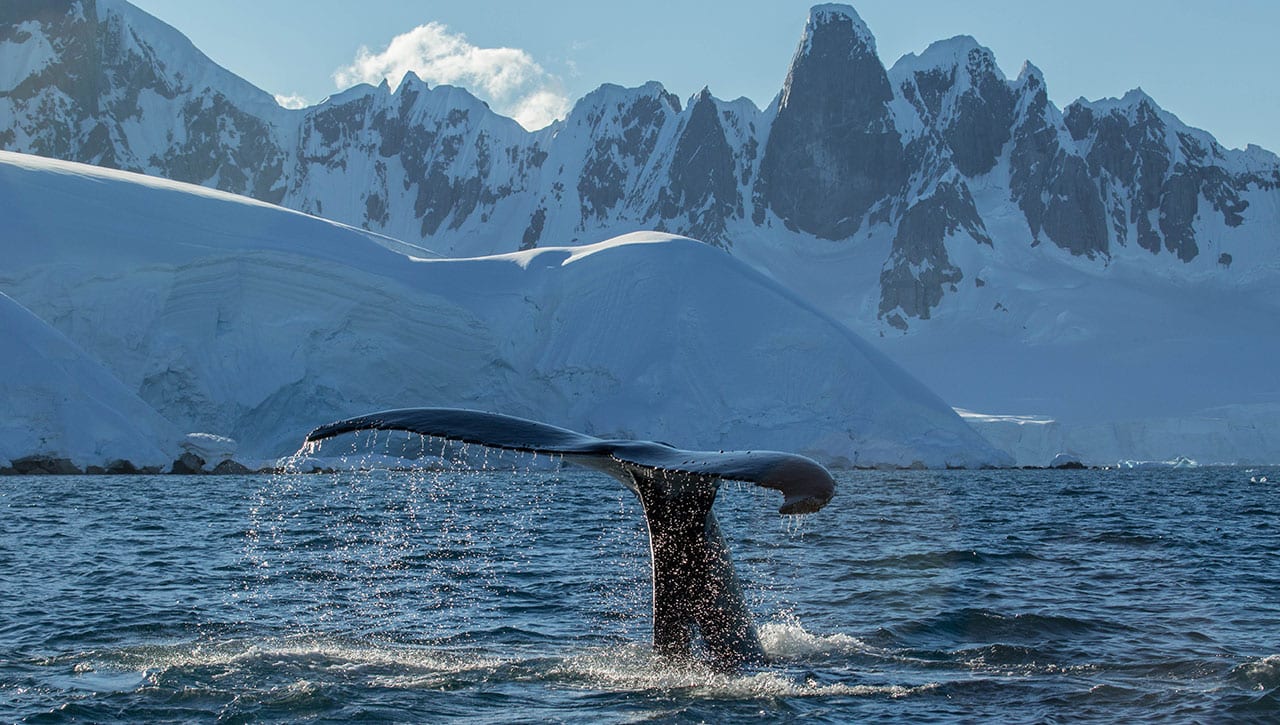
(1103, 265)
(60, 403)
(238, 318)
(1246, 434)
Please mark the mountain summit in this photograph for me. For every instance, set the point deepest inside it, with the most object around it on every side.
(833, 152)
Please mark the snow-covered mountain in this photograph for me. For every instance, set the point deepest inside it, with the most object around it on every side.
(847, 147)
(1102, 263)
(237, 317)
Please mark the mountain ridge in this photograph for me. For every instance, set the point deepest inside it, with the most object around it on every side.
(436, 165)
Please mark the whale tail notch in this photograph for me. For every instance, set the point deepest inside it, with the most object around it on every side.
(695, 590)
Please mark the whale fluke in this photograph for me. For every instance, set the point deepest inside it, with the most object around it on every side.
(694, 586)
(805, 485)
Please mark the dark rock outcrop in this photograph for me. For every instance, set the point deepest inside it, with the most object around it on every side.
(1052, 186)
(919, 269)
(833, 152)
(702, 188)
(40, 465)
(187, 464)
(1154, 170)
(961, 97)
(631, 129)
(230, 468)
(105, 73)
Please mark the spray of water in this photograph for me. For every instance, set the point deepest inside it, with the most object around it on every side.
(409, 540)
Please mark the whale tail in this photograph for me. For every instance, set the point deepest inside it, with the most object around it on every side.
(695, 590)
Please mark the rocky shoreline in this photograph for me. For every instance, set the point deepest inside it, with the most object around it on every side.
(186, 464)
(189, 464)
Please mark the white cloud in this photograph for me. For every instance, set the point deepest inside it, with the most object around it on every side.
(507, 78)
(292, 101)
(539, 108)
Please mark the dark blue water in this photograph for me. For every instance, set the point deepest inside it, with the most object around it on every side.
(1015, 596)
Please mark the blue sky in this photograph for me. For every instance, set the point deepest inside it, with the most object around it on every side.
(1212, 64)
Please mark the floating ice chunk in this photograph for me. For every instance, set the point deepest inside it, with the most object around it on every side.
(1177, 462)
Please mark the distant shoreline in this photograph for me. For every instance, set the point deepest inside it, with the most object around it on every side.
(185, 466)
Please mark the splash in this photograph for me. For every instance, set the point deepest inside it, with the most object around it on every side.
(303, 666)
(634, 668)
(786, 638)
(1258, 674)
(406, 451)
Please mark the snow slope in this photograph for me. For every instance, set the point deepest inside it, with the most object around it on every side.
(240, 318)
(61, 403)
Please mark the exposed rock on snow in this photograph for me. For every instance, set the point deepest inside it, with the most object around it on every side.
(833, 151)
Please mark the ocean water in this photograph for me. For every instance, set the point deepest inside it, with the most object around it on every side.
(522, 595)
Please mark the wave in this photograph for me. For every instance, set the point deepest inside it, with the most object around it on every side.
(786, 638)
(1262, 673)
(985, 625)
(1125, 537)
(295, 673)
(635, 668)
(282, 656)
(942, 559)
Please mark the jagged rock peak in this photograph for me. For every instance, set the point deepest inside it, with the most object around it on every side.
(1138, 108)
(1255, 159)
(833, 151)
(354, 93)
(945, 71)
(959, 51)
(410, 80)
(1029, 71)
(835, 44)
(1132, 99)
(612, 93)
(836, 14)
(171, 53)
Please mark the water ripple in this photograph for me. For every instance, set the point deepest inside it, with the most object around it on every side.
(925, 597)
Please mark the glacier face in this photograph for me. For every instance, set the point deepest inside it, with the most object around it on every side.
(1098, 263)
(241, 318)
(61, 403)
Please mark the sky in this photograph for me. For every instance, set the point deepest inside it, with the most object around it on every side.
(1213, 64)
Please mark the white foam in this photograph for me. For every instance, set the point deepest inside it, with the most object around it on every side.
(335, 655)
(787, 638)
(636, 668)
(1261, 674)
